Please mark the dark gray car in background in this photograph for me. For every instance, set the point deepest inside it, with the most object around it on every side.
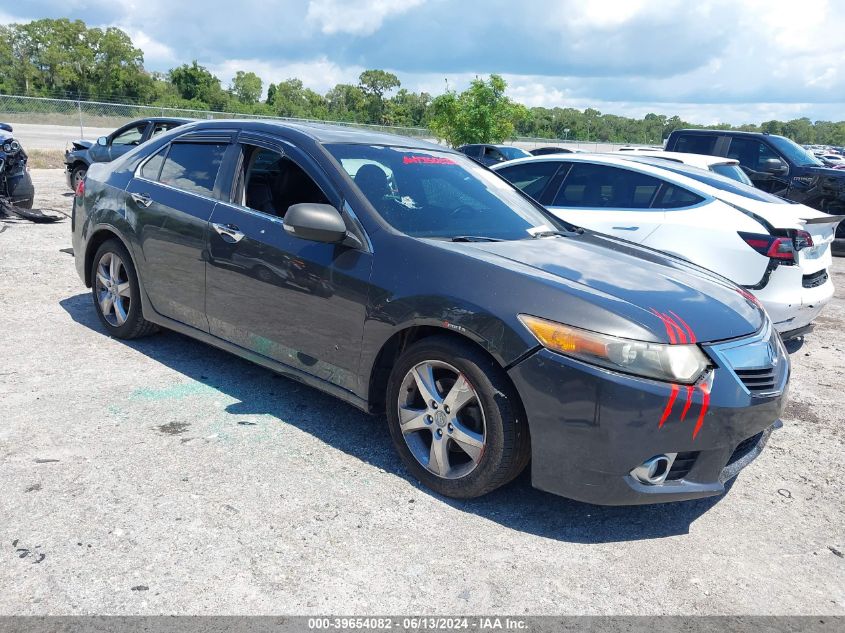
(410, 281)
(492, 154)
(83, 154)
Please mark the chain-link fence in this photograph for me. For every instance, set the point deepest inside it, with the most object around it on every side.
(90, 119)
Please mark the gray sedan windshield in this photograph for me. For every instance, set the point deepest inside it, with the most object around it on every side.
(427, 193)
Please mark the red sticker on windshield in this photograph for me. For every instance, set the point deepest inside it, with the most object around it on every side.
(427, 160)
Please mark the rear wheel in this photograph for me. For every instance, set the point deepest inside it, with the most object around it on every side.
(116, 293)
(455, 418)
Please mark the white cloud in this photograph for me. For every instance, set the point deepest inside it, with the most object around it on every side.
(708, 60)
(155, 53)
(318, 74)
(356, 18)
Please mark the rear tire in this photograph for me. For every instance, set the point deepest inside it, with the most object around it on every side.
(116, 292)
(476, 437)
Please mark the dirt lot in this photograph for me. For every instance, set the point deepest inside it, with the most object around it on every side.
(164, 476)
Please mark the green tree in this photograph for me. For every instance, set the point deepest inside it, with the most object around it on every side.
(480, 114)
(346, 102)
(375, 84)
(118, 67)
(271, 94)
(246, 86)
(195, 83)
(407, 108)
(292, 99)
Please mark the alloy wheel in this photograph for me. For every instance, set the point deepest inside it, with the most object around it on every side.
(441, 419)
(112, 286)
(78, 176)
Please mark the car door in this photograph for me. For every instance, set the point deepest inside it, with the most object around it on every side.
(170, 199)
(299, 302)
(608, 199)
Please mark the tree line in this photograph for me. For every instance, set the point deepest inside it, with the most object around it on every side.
(67, 59)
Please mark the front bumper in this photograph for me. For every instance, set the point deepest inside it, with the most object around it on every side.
(590, 427)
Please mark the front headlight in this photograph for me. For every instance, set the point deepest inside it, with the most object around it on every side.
(672, 363)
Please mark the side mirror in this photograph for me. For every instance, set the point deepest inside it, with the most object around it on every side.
(103, 140)
(315, 222)
(773, 166)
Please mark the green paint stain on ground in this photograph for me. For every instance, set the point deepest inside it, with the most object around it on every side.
(173, 393)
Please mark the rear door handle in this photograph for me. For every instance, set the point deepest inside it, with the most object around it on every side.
(228, 232)
(142, 199)
(626, 228)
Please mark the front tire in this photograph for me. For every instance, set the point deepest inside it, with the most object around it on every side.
(116, 292)
(455, 418)
(77, 175)
(22, 191)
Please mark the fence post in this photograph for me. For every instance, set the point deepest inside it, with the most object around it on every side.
(79, 109)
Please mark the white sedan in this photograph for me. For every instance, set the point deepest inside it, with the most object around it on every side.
(777, 250)
(728, 167)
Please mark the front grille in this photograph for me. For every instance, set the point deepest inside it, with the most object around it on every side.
(814, 280)
(757, 380)
(682, 465)
(745, 447)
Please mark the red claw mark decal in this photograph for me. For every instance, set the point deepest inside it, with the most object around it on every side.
(669, 404)
(705, 404)
(679, 332)
(670, 331)
(688, 404)
(690, 333)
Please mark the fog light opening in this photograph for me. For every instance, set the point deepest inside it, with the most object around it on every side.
(655, 470)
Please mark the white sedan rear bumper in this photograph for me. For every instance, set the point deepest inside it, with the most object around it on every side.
(790, 305)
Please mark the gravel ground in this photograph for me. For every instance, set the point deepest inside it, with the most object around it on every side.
(164, 476)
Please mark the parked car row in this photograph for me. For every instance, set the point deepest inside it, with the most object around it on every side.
(778, 251)
(774, 164)
(490, 330)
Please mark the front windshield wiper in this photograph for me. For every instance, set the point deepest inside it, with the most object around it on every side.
(474, 238)
(574, 231)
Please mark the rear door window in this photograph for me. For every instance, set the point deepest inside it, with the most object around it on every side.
(696, 144)
(601, 186)
(193, 167)
(532, 178)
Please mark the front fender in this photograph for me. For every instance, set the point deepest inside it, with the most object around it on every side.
(504, 341)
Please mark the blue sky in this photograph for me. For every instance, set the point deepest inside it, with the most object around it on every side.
(707, 60)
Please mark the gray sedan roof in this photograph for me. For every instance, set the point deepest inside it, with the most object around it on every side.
(325, 133)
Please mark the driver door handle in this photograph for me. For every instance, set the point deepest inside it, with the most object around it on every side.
(142, 199)
(229, 231)
(626, 228)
